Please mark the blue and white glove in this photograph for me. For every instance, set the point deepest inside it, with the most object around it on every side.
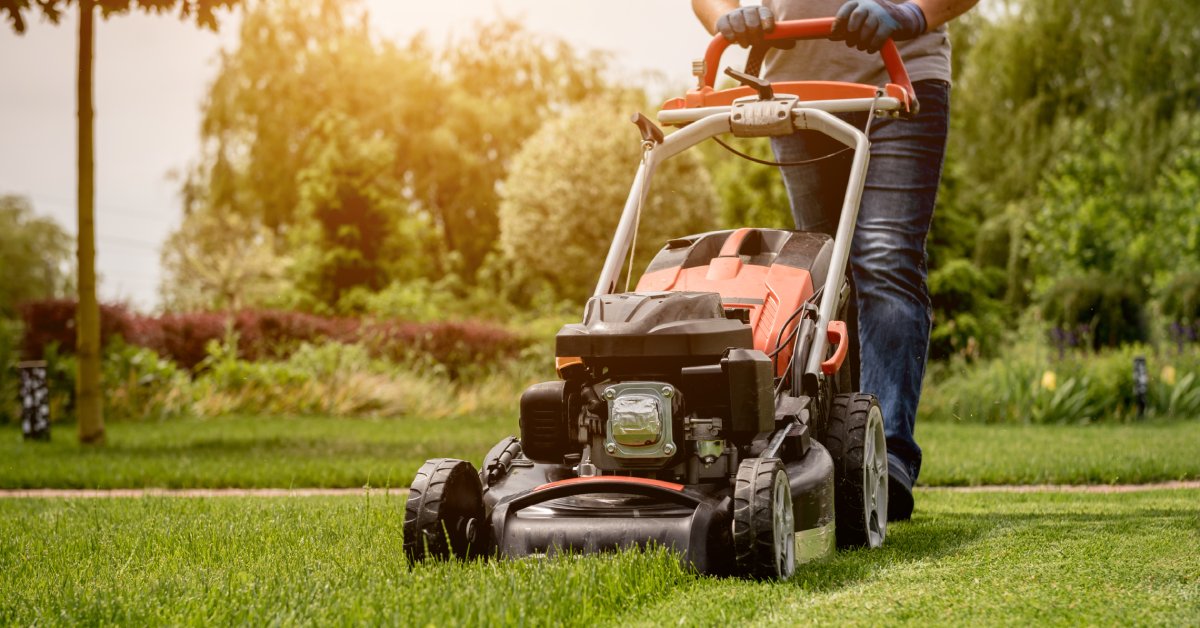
(867, 24)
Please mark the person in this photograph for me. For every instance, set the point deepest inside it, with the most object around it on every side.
(887, 256)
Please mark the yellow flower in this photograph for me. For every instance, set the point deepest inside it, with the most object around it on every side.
(1168, 375)
(1049, 380)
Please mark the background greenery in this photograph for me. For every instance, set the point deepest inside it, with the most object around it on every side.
(1067, 237)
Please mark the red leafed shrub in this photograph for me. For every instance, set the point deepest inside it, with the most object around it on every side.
(266, 334)
(453, 344)
(185, 337)
(269, 334)
(53, 321)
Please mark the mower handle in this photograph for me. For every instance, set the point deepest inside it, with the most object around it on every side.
(797, 30)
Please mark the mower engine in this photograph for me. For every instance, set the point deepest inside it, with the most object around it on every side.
(658, 384)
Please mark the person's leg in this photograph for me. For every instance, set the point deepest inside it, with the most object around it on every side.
(887, 257)
(888, 264)
(815, 189)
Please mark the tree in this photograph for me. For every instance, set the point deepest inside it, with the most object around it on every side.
(35, 254)
(88, 394)
(451, 121)
(1034, 124)
(568, 184)
(222, 262)
(352, 232)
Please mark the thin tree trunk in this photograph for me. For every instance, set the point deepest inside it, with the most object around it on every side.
(88, 398)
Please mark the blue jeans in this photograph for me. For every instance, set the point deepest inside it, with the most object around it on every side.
(887, 256)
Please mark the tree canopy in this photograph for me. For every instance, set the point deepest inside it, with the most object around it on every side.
(202, 11)
(313, 111)
(35, 254)
(568, 186)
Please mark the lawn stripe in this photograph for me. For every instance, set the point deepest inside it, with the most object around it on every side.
(55, 493)
(1066, 488)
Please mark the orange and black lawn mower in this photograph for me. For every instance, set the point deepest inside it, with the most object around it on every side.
(713, 410)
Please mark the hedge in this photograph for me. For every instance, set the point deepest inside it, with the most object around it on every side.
(269, 334)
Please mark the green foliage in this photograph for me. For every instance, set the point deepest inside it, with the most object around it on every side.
(568, 186)
(202, 11)
(967, 321)
(220, 261)
(10, 379)
(380, 160)
(351, 232)
(36, 255)
(1094, 311)
(1180, 306)
(751, 195)
(138, 384)
(1026, 384)
(1072, 155)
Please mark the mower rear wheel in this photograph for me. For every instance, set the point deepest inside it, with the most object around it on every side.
(764, 531)
(855, 440)
(444, 515)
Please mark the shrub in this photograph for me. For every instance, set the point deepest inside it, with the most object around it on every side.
(274, 335)
(455, 345)
(52, 321)
(266, 334)
(1181, 308)
(10, 379)
(967, 320)
(1094, 311)
(564, 194)
(1027, 385)
(139, 384)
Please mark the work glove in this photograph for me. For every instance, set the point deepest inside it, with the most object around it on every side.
(746, 25)
(867, 24)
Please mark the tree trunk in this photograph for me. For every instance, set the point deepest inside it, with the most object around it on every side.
(88, 406)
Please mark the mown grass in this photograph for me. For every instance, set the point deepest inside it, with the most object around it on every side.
(966, 559)
(321, 452)
(966, 454)
(246, 452)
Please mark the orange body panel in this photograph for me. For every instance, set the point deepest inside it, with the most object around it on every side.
(771, 293)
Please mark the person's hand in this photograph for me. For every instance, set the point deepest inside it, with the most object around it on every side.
(746, 25)
(866, 24)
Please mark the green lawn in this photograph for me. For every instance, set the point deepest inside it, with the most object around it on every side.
(318, 452)
(966, 559)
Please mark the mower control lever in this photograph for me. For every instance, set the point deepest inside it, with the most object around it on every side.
(764, 89)
(650, 132)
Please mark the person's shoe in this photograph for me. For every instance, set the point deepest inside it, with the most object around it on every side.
(900, 497)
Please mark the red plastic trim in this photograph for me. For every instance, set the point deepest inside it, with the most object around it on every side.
(613, 478)
(837, 334)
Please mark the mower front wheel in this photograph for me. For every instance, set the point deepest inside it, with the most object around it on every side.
(444, 514)
(855, 440)
(764, 531)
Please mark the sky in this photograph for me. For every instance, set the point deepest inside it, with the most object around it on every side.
(151, 74)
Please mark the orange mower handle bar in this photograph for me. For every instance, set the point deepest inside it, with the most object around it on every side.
(797, 30)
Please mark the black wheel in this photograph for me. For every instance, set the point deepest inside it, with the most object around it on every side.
(444, 516)
(854, 437)
(764, 531)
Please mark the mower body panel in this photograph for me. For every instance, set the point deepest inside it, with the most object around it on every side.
(538, 509)
(767, 272)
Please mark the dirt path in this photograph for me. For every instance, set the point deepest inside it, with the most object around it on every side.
(51, 493)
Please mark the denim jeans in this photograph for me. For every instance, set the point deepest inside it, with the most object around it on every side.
(887, 256)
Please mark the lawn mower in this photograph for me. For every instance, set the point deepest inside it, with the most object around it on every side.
(713, 410)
